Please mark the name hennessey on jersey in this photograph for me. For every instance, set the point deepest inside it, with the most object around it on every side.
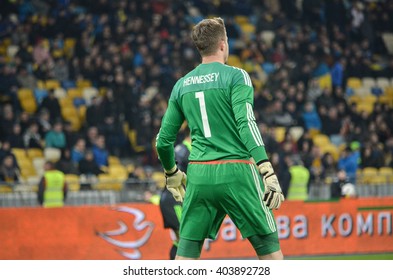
(202, 79)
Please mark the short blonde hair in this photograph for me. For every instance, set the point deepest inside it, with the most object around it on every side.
(207, 34)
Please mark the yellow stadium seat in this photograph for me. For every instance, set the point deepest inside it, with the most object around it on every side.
(234, 60)
(66, 102)
(159, 178)
(377, 180)
(40, 84)
(368, 174)
(321, 140)
(52, 154)
(108, 182)
(82, 113)
(83, 83)
(386, 99)
(74, 93)
(389, 91)
(365, 106)
(386, 172)
(279, 133)
(5, 189)
(52, 84)
(35, 153)
(241, 19)
(333, 150)
(369, 98)
(113, 160)
(76, 123)
(72, 182)
(247, 28)
(383, 82)
(325, 81)
(29, 105)
(25, 93)
(69, 112)
(118, 171)
(19, 153)
(354, 83)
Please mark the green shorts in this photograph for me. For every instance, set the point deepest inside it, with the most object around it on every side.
(224, 187)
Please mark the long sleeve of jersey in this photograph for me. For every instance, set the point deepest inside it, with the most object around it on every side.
(166, 138)
(242, 105)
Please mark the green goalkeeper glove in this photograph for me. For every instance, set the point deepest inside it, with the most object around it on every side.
(175, 180)
(273, 196)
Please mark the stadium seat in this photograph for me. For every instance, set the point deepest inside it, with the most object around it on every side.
(368, 174)
(69, 112)
(40, 94)
(241, 19)
(362, 91)
(332, 149)
(325, 81)
(19, 153)
(24, 93)
(108, 182)
(52, 154)
(74, 93)
(29, 105)
(386, 172)
(369, 99)
(60, 93)
(52, 84)
(365, 107)
(118, 171)
(113, 160)
(296, 132)
(321, 140)
(83, 83)
(383, 82)
(68, 84)
(368, 82)
(34, 153)
(279, 133)
(82, 113)
(234, 60)
(66, 102)
(72, 182)
(354, 83)
(38, 164)
(247, 29)
(385, 99)
(88, 93)
(159, 178)
(268, 37)
(27, 169)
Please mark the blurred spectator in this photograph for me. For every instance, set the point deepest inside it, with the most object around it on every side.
(5, 151)
(371, 156)
(78, 151)
(311, 118)
(341, 186)
(16, 137)
(65, 163)
(51, 104)
(329, 166)
(91, 136)
(100, 152)
(95, 113)
(55, 138)
(31, 138)
(7, 121)
(26, 79)
(349, 163)
(88, 166)
(44, 122)
(9, 173)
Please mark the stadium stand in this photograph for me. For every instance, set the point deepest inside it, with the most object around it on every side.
(112, 66)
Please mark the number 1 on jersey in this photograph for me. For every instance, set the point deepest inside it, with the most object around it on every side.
(205, 121)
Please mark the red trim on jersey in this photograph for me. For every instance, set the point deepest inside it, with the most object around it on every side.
(222, 161)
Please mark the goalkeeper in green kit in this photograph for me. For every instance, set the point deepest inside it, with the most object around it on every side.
(222, 178)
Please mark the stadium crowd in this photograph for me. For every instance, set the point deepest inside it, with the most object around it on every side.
(133, 52)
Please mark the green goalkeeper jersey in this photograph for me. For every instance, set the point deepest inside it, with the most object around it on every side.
(217, 101)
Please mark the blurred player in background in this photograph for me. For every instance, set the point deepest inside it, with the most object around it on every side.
(217, 102)
(170, 208)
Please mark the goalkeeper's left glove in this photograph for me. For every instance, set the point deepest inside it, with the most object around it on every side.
(273, 196)
(175, 180)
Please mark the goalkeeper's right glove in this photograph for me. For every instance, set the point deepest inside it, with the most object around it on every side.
(273, 196)
(175, 180)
